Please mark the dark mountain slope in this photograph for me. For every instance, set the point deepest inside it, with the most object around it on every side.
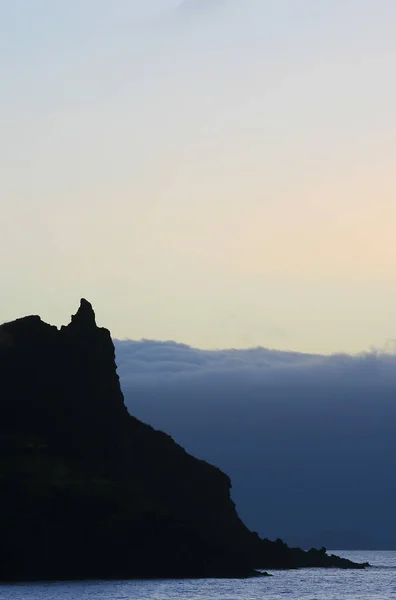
(89, 491)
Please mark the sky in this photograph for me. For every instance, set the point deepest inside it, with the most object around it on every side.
(215, 173)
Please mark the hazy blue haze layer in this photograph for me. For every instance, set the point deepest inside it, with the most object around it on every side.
(376, 583)
(308, 440)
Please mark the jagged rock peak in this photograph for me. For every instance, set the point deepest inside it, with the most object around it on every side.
(85, 316)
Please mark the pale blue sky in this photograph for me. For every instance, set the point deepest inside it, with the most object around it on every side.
(222, 177)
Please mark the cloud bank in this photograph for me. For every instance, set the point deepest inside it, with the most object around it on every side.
(308, 440)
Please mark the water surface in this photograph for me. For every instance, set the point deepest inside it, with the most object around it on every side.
(375, 583)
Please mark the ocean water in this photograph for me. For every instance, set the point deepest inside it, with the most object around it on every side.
(375, 583)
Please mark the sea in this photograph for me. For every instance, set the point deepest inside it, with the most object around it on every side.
(377, 582)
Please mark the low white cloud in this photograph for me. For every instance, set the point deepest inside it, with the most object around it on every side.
(170, 360)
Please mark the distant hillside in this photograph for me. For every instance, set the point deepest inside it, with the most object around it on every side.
(308, 440)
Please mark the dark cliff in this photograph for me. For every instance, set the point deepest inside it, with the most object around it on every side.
(87, 491)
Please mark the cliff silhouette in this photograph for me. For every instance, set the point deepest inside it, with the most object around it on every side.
(89, 491)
